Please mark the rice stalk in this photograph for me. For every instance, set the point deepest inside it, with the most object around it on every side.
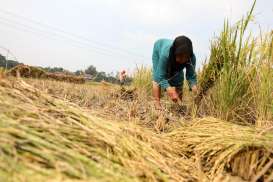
(142, 80)
(51, 137)
(226, 147)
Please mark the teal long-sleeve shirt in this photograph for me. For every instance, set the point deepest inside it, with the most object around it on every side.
(160, 58)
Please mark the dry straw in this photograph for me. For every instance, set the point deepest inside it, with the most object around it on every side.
(35, 72)
(223, 146)
(55, 131)
(45, 138)
(54, 139)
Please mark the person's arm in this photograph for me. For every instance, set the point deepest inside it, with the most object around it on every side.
(177, 82)
(161, 79)
(191, 74)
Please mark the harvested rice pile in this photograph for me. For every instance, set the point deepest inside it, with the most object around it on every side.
(44, 139)
(27, 71)
(52, 139)
(65, 78)
(34, 72)
(222, 146)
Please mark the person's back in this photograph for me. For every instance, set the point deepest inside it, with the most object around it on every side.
(162, 47)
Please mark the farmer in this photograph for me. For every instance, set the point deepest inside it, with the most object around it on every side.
(169, 60)
(122, 77)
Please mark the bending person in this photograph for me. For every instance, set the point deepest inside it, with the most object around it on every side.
(169, 60)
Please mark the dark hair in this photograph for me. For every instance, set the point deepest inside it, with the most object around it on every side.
(181, 45)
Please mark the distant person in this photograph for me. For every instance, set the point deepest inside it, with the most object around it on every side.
(122, 77)
(169, 59)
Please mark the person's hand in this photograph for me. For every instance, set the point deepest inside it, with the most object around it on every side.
(158, 106)
(173, 94)
(194, 89)
(179, 92)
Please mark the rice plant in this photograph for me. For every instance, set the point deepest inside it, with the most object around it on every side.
(238, 65)
(263, 91)
(142, 79)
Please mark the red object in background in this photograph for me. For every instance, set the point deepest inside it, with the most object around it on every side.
(122, 76)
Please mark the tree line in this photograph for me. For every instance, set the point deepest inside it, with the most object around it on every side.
(4, 63)
(91, 72)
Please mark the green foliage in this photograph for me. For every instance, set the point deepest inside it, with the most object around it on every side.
(79, 72)
(227, 51)
(55, 69)
(91, 70)
(263, 91)
(101, 76)
(239, 74)
(4, 63)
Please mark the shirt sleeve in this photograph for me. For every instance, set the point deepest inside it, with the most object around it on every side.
(161, 72)
(190, 72)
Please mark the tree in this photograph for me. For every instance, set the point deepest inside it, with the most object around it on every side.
(2, 57)
(55, 69)
(98, 76)
(91, 70)
(7, 63)
(79, 72)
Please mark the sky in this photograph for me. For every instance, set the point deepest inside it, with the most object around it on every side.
(114, 34)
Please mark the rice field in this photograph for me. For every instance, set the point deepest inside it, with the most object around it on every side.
(59, 131)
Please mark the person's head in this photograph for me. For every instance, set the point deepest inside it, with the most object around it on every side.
(180, 53)
(182, 49)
